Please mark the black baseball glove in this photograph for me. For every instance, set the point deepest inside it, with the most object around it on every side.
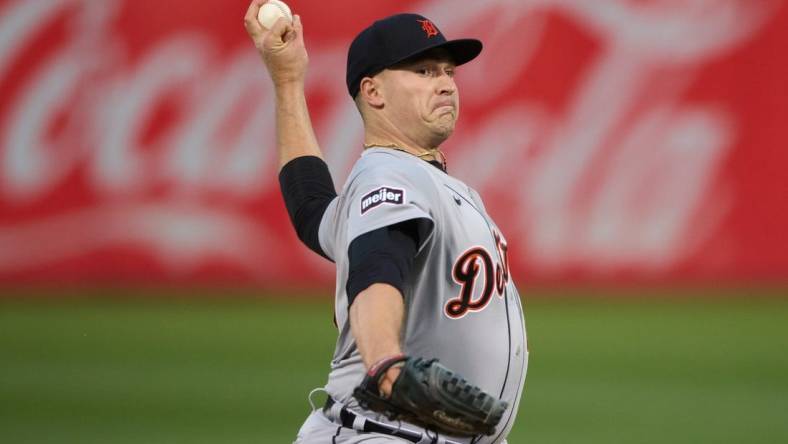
(430, 395)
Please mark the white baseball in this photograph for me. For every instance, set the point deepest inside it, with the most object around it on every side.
(271, 11)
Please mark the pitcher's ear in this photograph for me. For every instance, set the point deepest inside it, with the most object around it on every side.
(370, 92)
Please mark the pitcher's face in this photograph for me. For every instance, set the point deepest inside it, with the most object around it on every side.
(421, 96)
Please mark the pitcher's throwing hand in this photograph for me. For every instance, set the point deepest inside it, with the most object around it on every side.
(281, 47)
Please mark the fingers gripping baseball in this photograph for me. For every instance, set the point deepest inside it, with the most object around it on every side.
(281, 47)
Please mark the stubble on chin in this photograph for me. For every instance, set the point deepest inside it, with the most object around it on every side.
(443, 127)
(447, 121)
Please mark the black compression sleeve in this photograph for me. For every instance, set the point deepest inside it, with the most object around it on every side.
(307, 190)
(383, 256)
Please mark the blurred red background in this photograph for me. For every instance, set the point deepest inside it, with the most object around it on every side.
(613, 141)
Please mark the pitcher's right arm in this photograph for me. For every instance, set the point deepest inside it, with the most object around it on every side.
(284, 54)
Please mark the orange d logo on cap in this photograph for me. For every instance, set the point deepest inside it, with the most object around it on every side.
(428, 27)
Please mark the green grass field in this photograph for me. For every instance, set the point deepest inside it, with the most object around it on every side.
(685, 369)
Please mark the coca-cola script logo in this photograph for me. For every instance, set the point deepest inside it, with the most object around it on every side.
(165, 144)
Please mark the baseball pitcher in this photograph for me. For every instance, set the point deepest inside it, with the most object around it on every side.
(432, 344)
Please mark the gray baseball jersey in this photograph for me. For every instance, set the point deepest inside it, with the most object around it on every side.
(461, 305)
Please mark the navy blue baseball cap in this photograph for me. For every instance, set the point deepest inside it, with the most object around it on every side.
(398, 38)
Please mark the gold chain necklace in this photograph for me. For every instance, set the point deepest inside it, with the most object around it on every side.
(434, 152)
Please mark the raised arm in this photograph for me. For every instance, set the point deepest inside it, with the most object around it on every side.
(304, 178)
(377, 314)
(284, 54)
